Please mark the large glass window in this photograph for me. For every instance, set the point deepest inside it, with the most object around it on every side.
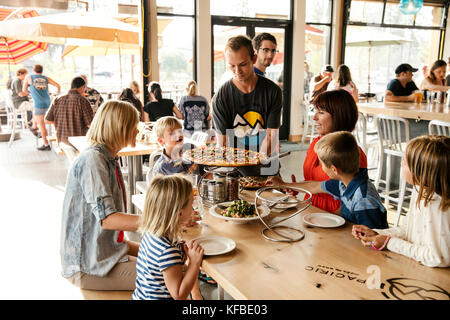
(379, 38)
(176, 46)
(317, 34)
(252, 8)
(109, 67)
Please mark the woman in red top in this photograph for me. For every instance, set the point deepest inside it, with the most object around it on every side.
(335, 111)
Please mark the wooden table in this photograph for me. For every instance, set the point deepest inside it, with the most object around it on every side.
(134, 158)
(408, 110)
(326, 264)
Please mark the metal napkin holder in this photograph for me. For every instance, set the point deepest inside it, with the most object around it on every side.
(272, 203)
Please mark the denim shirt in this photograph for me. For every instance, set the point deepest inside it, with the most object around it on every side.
(92, 193)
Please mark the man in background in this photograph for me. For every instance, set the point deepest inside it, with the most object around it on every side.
(401, 89)
(38, 84)
(71, 113)
(265, 46)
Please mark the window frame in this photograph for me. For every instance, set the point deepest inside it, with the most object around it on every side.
(347, 22)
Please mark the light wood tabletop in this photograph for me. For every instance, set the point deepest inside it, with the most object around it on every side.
(409, 110)
(327, 264)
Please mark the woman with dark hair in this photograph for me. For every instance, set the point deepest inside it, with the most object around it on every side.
(128, 95)
(343, 81)
(436, 77)
(335, 111)
(159, 107)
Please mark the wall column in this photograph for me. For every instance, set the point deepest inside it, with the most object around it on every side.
(297, 87)
(204, 72)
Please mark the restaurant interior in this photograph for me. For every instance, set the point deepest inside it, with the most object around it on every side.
(290, 249)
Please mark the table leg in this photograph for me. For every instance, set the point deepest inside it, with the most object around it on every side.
(220, 292)
(131, 183)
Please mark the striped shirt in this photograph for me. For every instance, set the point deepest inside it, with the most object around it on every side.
(155, 255)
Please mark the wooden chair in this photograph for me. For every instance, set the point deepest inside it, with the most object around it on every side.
(70, 152)
(440, 127)
(14, 117)
(393, 135)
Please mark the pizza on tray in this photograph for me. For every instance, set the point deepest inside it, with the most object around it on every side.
(250, 182)
(222, 156)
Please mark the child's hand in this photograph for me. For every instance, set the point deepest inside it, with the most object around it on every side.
(194, 251)
(359, 231)
(377, 241)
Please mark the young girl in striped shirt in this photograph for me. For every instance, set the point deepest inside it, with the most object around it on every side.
(426, 235)
(162, 254)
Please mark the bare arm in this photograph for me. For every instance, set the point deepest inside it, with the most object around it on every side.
(26, 83)
(312, 186)
(321, 83)
(221, 140)
(121, 221)
(270, 145)
(389, 97)
(177, 112)
(178, 285)
(54, 83)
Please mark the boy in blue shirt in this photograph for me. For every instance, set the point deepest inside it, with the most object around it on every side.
(339, 156)
(169, 133)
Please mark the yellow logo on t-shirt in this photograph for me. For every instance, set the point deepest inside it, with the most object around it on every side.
(248, 124)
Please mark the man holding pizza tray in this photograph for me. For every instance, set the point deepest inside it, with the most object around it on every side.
(247, 108)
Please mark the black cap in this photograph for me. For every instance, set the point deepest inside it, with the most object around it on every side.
(405, 67)
(327, 68)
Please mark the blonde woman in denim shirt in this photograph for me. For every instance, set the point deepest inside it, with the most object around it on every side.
(94, 254)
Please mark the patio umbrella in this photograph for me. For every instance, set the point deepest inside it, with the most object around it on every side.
(74, 28)
(14, 51)
(372, 39)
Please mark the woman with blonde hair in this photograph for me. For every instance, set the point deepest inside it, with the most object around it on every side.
(162, 254)
(343, 81)
(195, 110)
(94, 254)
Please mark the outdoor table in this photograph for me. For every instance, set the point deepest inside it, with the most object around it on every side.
(327, 264)
(134, 158)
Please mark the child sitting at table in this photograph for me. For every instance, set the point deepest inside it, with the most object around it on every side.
(426, 235)
(162, 254)
(338, 154)
(169, 134)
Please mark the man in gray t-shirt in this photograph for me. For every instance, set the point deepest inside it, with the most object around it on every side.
(18, 96)
(247, 108)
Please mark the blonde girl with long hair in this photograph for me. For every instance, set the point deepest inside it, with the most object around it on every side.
(94, 254)
(162, 254)
(426, 235)
(195, 110)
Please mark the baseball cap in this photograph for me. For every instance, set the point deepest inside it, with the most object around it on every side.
(327, 68)
(405, 67)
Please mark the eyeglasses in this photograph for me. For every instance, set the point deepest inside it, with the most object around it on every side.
(267, 50)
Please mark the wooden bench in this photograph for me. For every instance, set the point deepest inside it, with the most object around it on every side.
(106, 295)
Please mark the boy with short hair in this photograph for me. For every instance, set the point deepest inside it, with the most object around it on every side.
(339, 156)
(169, 134)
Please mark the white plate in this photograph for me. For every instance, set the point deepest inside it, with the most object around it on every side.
(275, 195)
(215, 211)
(215, 245)
(323, 220)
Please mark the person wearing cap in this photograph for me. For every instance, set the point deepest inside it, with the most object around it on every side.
(436, 77)
(401, 89)
(320, 82)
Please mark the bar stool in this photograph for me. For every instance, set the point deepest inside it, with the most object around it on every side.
(393, 135)
(367, 140)
(441, 127)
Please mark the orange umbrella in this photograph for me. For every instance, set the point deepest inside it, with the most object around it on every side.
(15, 51)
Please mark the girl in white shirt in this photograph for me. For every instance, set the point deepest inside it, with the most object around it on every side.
(344, 81)
(426, 236)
